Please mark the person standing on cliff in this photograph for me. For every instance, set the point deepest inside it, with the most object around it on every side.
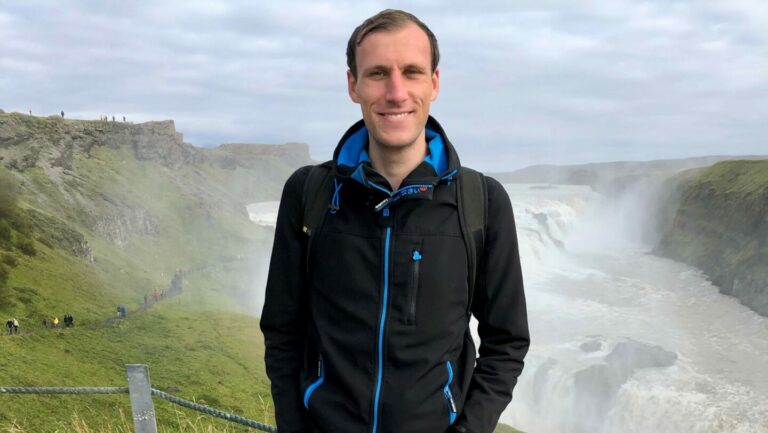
(366, 316)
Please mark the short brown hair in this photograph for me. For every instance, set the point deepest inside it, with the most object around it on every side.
(388, 19)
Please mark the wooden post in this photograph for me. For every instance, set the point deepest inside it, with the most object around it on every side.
(141, 398)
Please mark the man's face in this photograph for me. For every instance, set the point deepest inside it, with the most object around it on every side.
(395, 85)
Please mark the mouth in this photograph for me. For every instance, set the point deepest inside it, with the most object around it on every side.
(394, 116)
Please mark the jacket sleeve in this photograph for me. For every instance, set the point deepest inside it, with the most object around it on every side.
(284, 318)
(499, 306)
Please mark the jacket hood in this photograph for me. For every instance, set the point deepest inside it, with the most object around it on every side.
(351, 159)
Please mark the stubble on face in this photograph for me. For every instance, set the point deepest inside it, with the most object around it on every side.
(394, 86)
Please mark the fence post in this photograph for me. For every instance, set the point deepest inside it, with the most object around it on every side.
(141, 398)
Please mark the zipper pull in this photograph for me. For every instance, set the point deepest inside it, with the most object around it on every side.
(382, 204)
(416, 256)
(451, 402)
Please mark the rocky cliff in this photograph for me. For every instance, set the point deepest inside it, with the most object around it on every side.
(717, 220)
(97, 173)
(28, 141)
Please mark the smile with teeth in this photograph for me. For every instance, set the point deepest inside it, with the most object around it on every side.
(395, 116)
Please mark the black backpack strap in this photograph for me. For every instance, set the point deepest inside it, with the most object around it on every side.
(473, 218)
(318, 190)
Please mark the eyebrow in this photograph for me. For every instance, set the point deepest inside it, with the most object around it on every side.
(389, 68)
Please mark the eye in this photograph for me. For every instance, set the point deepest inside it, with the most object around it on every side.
(376, 74)
(412, 72)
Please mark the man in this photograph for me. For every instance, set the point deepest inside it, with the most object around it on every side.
(368, 331)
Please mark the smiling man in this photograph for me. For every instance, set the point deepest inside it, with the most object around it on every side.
(383, 254)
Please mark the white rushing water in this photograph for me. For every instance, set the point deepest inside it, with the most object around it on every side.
(623, 341)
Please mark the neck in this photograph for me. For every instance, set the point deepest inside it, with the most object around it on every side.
(395, 163)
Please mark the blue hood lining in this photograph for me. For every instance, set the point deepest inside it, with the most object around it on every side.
(354, 153)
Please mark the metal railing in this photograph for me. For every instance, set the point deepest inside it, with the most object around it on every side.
(140, 391)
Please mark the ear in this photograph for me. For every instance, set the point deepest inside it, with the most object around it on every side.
(435, 83)
(351, 84)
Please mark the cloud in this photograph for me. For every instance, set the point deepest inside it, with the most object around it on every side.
(521, 83)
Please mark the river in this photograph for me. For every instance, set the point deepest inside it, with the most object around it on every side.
(624, 341)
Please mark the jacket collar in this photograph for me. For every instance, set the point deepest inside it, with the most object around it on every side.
(351, 159)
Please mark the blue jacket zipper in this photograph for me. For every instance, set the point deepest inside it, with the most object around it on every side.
(448, 395)
(382, 319)
(316, 384)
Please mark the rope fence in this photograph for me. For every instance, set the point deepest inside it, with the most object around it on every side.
(214, 412)
(52, 390)
(142, 408)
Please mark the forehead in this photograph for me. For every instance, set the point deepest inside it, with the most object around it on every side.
(405, 44)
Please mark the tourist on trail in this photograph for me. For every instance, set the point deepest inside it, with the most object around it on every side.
(157, 295)
(15, 326)
(62, 114)
(56, 322)
(9, 325)
(45, 323)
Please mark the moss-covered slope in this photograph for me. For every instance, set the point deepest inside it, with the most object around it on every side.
(96, 214)
(721, 227)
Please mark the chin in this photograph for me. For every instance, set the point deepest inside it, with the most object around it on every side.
(395, 142)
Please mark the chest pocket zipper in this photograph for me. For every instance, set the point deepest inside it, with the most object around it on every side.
(410, 318)
(449, 395)
(316, 384)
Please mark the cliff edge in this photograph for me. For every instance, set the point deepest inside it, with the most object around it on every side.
(721, 227)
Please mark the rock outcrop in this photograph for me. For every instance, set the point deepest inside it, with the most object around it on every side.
(721, 227)
(597, 386)
(28, 141)
(95, 174)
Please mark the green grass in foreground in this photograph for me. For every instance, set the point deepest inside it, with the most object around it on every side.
(212, 358)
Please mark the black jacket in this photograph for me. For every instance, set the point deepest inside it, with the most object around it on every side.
(373, 337)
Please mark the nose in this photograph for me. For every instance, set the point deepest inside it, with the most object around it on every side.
(396, 91)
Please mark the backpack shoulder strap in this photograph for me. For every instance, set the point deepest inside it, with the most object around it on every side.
(473, 218)
(318, 189)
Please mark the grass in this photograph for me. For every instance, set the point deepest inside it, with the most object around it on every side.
(741, 178)
(215, 359)
(203, 342)
(120, 423)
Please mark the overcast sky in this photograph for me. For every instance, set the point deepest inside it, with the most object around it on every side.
(522, 82)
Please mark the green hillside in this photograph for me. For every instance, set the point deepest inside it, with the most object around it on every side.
(97, 214)
(105, 228)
